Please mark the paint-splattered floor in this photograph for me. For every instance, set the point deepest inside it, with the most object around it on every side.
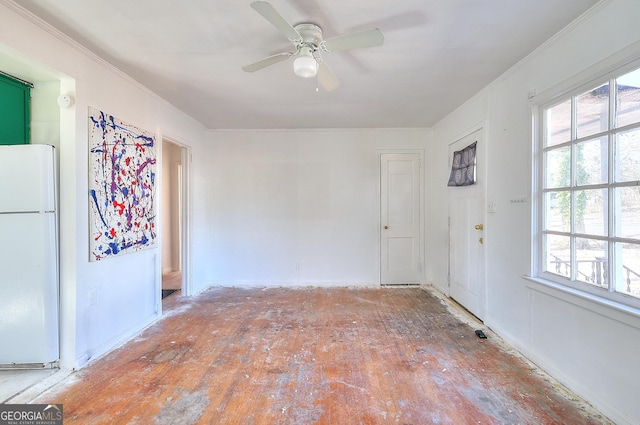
(314, 356)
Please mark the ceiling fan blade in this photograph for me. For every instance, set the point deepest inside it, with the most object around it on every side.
(356, 40)
(327, 78)
(269, 13)
(256, 66)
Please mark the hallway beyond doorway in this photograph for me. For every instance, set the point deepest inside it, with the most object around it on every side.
(171, 283)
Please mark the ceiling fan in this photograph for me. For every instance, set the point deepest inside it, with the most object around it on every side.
(308, 41)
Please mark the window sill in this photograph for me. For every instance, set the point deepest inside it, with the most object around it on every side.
(623, 313)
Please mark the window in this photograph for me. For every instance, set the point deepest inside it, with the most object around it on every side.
(589, 197)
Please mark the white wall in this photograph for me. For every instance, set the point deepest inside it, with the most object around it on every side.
(591, 348)
(298, 207)
(102, 303)
(45, 113)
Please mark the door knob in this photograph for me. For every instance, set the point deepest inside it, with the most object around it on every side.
(479, 227)
(386, 227)
(481, 240)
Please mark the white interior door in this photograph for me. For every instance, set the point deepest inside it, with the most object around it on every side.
(466, 234)
(400, 242)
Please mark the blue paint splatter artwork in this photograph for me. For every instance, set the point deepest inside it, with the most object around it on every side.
(122, 175)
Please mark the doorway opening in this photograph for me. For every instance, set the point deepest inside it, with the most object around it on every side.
(173, 219)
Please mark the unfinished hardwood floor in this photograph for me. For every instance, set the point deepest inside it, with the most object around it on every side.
(314, 356)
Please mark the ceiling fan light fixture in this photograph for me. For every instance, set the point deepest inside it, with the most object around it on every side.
(308, 41)
(305, 66)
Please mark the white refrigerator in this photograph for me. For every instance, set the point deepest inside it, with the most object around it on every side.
(28, 256)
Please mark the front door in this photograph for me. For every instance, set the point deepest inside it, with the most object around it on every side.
(466, 234)
(400, 243)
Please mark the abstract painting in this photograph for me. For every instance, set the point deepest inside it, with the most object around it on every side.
(122, 175)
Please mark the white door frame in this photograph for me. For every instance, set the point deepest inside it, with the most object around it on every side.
(185, 213)
(185, 231)
(379, 153)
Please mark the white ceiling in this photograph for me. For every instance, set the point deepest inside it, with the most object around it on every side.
(436, 54)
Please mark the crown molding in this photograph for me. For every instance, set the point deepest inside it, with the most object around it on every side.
(45, 26)
(594, 10)
(82, 49)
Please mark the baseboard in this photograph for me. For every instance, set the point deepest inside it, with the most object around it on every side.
(612, 414)
(115, 342)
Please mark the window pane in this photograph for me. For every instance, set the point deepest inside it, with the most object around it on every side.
(558, 124)
(628, 156)
(592, 111)
(591, 161)
(627, 207)
(555, 217)
(591, 188)
(558, 167)
(628, 279)
(558, 255)
(591, 207)
(591, 258)
(628, 98)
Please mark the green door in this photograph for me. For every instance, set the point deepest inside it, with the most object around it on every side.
(15, 111)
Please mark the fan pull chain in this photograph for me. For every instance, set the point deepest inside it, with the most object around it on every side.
(317, 66)
(318, 62)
